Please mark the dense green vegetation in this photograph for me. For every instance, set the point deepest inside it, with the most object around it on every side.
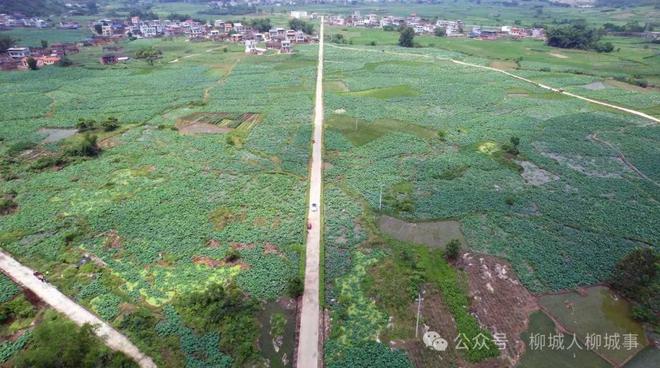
(177, 239)
(473, 167)
(140, 197)
(57, 342)
(637, 278)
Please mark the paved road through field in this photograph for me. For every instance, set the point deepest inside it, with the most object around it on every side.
(308, 337)
(60, 302)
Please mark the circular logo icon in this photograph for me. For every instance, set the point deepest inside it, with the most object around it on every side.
(434, 341)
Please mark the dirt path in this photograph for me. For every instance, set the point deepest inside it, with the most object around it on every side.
(630, 111)
(308, 338)
(49, 294)
(622, 157)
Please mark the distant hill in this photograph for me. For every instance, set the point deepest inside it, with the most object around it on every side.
(32, 7)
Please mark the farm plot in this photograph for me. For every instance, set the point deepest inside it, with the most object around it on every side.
(597, 312)
(221, 122)
(158, 216)
(548, 201)
(464, 173)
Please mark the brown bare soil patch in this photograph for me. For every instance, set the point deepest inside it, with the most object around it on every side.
(112, 239)
(270, 248)
(207, 261)
(108, 143)
(213, 243)
(202, 128)
(215, 122)
(241, 246)
(9, 206)
(434, 316)
(501, 303)
(503, 64)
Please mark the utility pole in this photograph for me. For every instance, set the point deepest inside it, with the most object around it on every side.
(419, 310)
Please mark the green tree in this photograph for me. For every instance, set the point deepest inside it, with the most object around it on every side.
(84, 146)
(223, 309)
(149, 54)
(604, 47)
(32, 63)
(110, 124)
(261, 24)
(57, 342)
(295, 287)
(6, 42)
(636, 272)
(98, 28)
(453, 249)
(44, 44)
(407, 36)
(573, 36)
(301, 25)
(65, 61)
(440, 32)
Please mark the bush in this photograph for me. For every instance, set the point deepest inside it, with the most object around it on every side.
(295, 287)
(84, 125)
(64, 62)
(232, 255)
(7, 205)
(604, 47)
(453, 249)
(512, 146)
(227, 310)
(32, 63)
(110, 124)
(84, 146)
(19, 147)
(57, 342)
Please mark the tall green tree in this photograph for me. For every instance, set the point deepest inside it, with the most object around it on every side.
(407, 37)
(6, 42)
(150, 54)
(32, 63)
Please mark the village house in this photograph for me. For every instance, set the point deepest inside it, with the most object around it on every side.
(106, 30)
(19, 52)
(41, 61)
(285, 47)
(251, 48)
(298, 14)
(69, 25)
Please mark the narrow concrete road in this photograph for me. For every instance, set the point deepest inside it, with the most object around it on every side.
(309, 344)
(591, 100)
(61, 303)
